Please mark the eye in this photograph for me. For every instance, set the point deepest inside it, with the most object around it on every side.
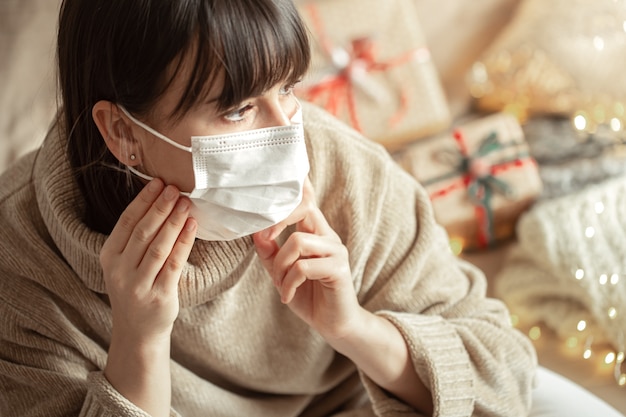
(287, 89)
(238, 114)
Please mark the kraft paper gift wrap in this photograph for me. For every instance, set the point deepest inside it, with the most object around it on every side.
(371, 67)
(480, 178)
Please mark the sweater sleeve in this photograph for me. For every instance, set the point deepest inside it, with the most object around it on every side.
(103, 400)
(48, 370)
(461, 342)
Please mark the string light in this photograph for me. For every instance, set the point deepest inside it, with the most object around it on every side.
(616, 124)
(534, 333)
(619, 376)
(587, 350)
(599, 207)
(580, 121)
(571, 342)
(456, 245)
(601, 115)
(604, 278)
(605, 357)
(598, 43)
(614, 279)
(609, 358)
(502, 81)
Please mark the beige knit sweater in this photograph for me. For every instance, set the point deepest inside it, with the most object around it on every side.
(236, 350)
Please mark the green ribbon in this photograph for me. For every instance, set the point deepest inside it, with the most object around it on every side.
(482, 189)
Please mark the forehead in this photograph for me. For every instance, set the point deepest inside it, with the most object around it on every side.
(184, 91)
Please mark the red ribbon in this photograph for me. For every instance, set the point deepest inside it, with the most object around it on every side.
(361, 60)
(482, 213)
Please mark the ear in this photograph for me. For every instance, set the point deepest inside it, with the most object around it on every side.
(117, 132)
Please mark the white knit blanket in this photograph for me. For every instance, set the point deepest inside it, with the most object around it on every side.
(570, 265)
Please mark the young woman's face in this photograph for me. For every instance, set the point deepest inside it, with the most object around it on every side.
(274, 107)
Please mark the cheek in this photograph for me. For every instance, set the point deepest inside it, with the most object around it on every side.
(173, 166)
(182, 172)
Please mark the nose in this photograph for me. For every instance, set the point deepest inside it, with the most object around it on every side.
(278, 115)
(280, 110)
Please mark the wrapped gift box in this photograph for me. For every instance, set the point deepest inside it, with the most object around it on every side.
(371, 68)
(480, 178)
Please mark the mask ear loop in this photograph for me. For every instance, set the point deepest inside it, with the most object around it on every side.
(149, 178)
(152, 131)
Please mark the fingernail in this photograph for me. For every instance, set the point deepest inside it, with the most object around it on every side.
(182, 205)
(170, 193)
(285, 299)
(264, 234)
(154, 185)
(191, 224)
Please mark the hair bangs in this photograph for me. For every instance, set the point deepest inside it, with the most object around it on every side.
(251, 45)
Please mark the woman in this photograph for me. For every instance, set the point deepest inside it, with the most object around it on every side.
(191, 240)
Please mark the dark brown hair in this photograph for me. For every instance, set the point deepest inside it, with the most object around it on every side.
(129, 51)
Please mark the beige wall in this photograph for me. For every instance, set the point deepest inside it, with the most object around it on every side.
(27, 80)
(458, 31)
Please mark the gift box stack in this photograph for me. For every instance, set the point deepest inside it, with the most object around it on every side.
(372, 69)
(480, 178)
(558, 69)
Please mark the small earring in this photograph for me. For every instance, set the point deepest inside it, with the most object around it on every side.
(132, 157)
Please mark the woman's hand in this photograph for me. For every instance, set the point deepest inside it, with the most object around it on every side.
(311, 271)
(142, 261)
(312, 274)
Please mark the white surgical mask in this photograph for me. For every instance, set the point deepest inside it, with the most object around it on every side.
(245, 181)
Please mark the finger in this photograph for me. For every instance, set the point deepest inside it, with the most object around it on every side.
(294, 280)
(315, 222)
(150, 224)
(160, 248)
(169, 276)
(328, 271)
(135, 211)
(300, 245)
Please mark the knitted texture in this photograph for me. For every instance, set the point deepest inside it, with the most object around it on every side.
(569, 264)
(569, 160)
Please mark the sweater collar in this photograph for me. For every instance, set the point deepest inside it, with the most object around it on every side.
(212, 267)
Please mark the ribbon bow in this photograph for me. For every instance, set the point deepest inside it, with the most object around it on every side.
(478, 176)
(350, 69)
